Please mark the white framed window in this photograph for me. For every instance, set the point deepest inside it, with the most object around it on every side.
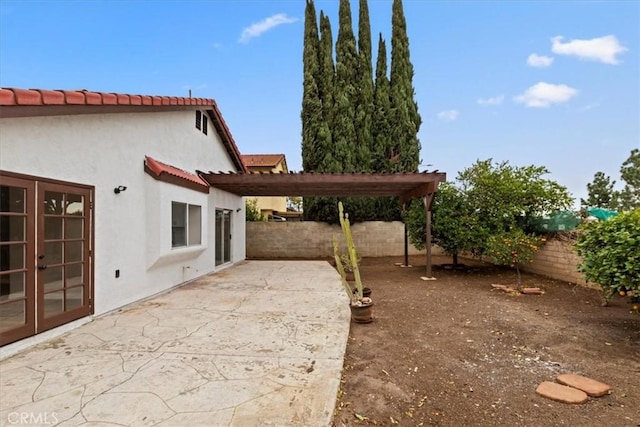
(186, 225)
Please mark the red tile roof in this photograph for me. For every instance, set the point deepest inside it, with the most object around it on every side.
(262, 160)
(40, 102)
(15, 97)
(167, 173)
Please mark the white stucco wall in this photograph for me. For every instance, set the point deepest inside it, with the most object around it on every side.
(133, 228)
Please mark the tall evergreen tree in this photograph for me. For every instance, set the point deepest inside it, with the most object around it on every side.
(382, 157)
(381, 126)
(311, 114)
(630, 174)
(327, 162)
(364, 107)
(406, 119)
(345, 92)
(601, 193)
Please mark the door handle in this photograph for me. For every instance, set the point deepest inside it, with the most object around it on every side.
(42, 266)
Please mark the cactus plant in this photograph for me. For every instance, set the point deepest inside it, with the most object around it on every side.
(355, 297)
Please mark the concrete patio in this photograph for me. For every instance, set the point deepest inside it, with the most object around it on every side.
(258, 344)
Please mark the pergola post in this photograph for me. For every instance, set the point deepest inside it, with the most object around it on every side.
(427, 210)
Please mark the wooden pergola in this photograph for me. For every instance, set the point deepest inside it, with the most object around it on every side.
(405, 186)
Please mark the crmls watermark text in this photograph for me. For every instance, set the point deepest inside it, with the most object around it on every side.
(32, 418)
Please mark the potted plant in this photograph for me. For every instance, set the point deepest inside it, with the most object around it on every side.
(361, 306)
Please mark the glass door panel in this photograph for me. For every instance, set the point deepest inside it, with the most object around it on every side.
(63, 254)
(223, 236)
(16, 272)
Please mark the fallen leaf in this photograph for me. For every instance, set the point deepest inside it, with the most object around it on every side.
(607, 343)
(385, 372)
(360, 417)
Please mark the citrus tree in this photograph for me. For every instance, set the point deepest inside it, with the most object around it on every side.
(455, 227)
(513, 248)
(610, 252)
(487, 199)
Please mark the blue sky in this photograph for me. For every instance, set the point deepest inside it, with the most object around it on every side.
(553, 83)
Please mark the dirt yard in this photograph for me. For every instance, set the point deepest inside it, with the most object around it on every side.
(455, 352)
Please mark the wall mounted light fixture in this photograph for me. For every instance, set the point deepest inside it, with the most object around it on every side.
(238, 210)
(119, 189)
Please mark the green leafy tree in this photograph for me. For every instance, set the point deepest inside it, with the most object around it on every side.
(601, 193)
(406, 119)
(630, 174)
(610, 252)
(253, 213)
(506, 196)
(455, 227)
(513, 248)
(489, 199)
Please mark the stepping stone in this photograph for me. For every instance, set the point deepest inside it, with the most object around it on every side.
(591, 387)
(561, 393)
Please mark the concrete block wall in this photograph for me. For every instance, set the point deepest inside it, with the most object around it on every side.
(308, 239)
(558, 260)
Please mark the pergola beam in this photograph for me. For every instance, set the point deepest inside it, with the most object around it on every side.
(405, 186)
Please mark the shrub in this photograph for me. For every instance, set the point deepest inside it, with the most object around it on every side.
(610, 252)
(513, 248)
(252, 211)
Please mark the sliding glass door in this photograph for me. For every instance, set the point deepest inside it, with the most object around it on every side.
(223, 236)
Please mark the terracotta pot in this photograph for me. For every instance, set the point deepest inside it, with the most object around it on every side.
(362, 313)
(366, 292)
(350, 276)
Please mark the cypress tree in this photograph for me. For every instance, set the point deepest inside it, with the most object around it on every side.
(382, 143)
(406, 119)
(364, 107)
(384, 159)
(327, 163)
(311, 114)
(345, 93)
(325, 208)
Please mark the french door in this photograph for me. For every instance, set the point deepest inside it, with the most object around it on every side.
(45, 255)
(223, 236)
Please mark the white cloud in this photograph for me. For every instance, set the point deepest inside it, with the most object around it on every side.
(448, 115)
(259, 28)
(603, 49)
(543, 95)
(496, 100)
(539, 61)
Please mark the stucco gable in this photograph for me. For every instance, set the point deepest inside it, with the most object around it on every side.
(15, 102)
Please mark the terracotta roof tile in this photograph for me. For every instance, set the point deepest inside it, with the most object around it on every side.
(28, 97)
(110, 99)
(74, 97)
(156, 169)
(7, 97)
(92, 98)
(51, 97)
